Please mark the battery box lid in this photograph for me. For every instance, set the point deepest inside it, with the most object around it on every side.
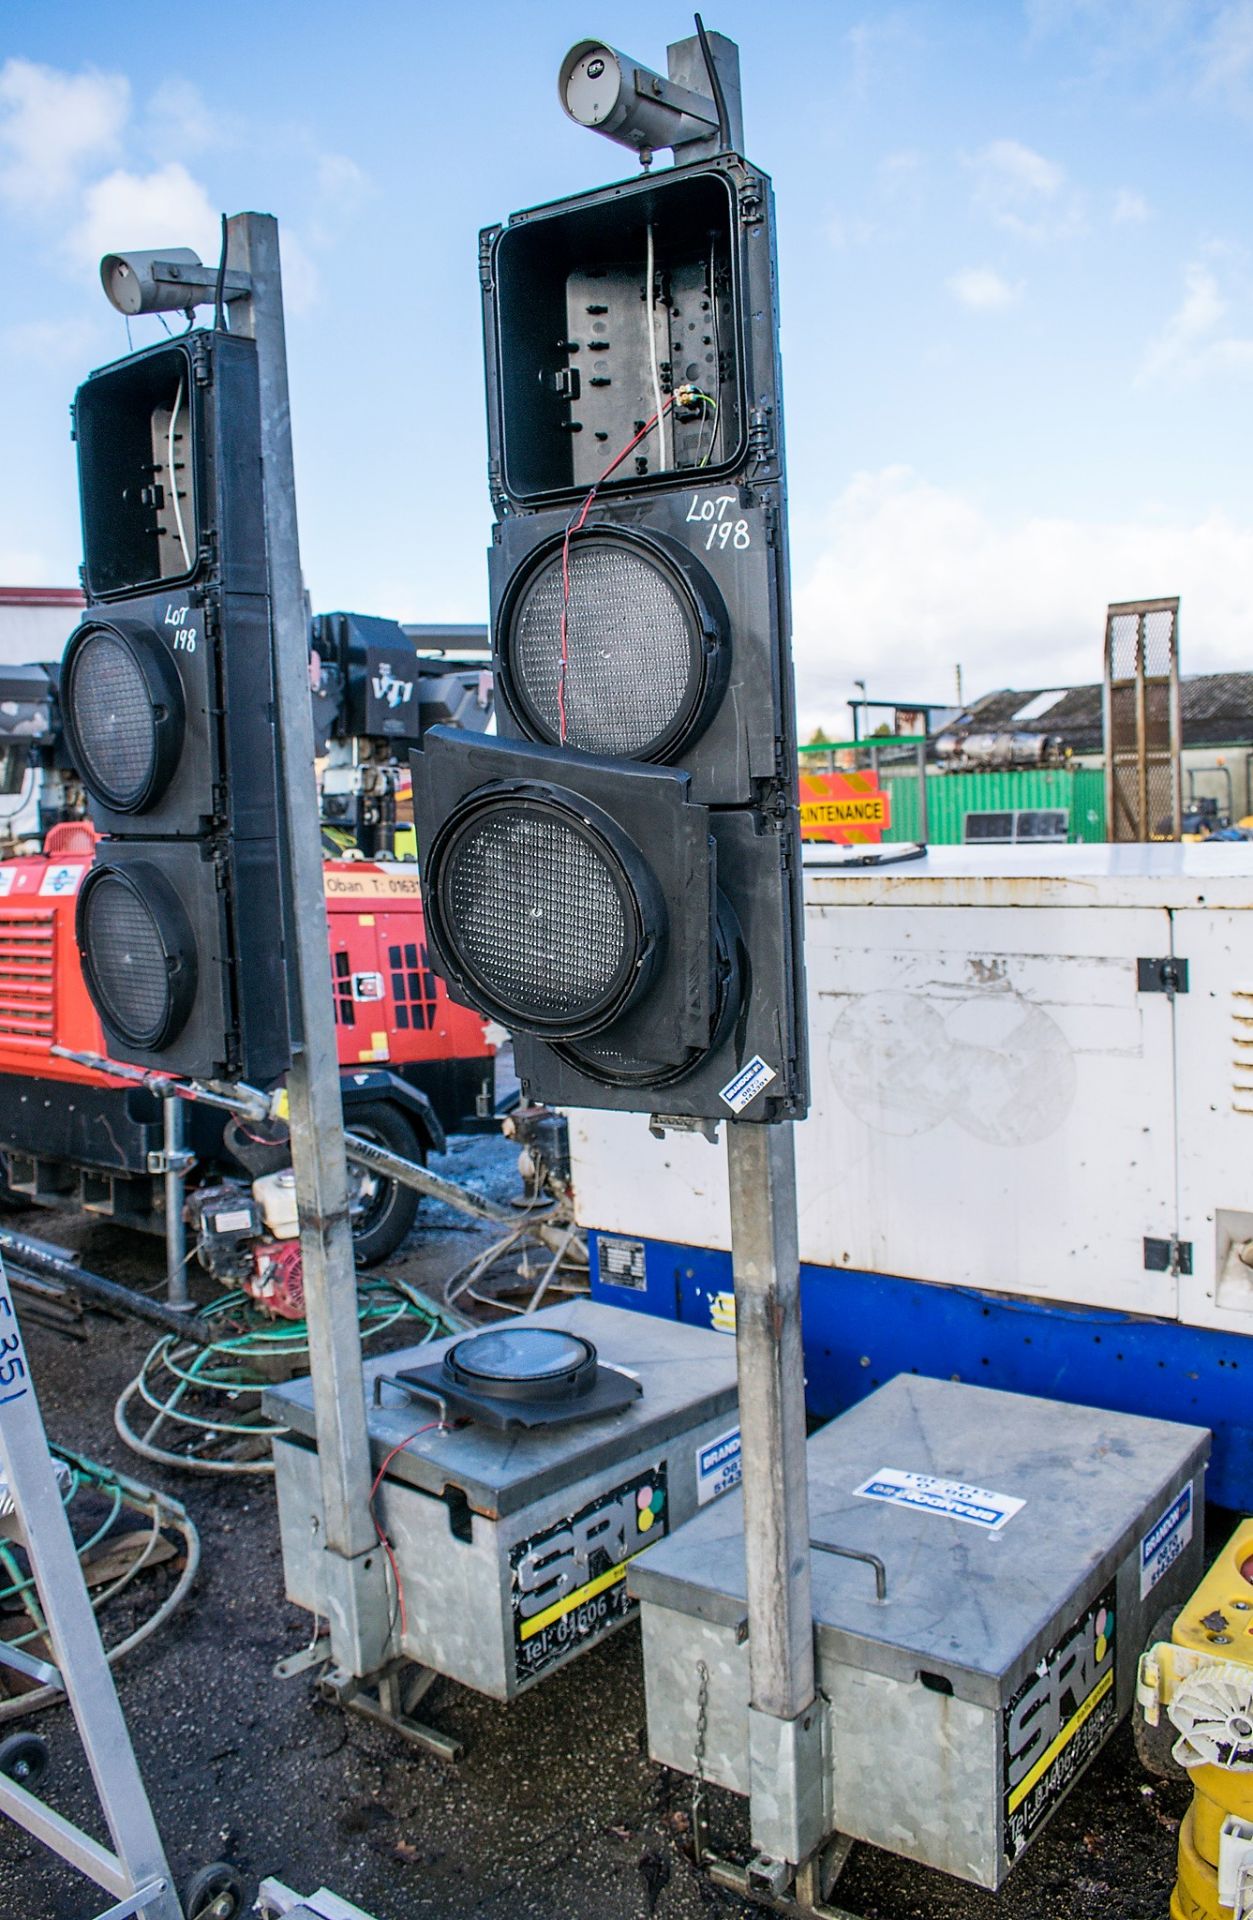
(992, 1514)
(685, 1375)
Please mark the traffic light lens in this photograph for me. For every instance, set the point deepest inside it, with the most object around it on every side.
(115, 717)
(123, 706)
(640, 675)
(542, 914)
(536, 910)
(136, 949)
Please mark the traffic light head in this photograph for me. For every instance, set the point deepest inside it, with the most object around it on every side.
(640, 621)
(168, 709)
(578, 901)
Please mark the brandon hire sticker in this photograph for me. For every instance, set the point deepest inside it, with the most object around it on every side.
(568, 1583)
(1165, 1541)
(953, 1499)
(747, 1084)
(1056, 1721)
(718, 1466)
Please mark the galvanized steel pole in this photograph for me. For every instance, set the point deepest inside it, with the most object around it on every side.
(174, 1161)
(785, 1776)
(354, 1569)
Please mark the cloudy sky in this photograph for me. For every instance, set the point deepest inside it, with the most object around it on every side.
(1017, 292)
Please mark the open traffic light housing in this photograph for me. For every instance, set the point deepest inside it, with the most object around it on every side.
(617, 879)
(167, 700)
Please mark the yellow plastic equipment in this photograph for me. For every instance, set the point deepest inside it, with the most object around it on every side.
(1203, 1676)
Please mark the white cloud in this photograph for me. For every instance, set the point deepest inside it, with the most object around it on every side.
(25, 564)
(849, 231)
(49, 343)
(1131, 209)
(61, 138)
(54, 128)
(1025, 193)
(1194, 341)
(302, 283)
(901, 171)
(911, 579)
(179, 119)
(163, 208)
(341, 182)
(984, 290)
(1226, 59)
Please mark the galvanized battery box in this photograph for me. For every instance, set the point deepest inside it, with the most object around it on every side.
(1025, 1551)
(512, 1546)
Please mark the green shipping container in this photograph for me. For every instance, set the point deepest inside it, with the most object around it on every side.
(1077, 791)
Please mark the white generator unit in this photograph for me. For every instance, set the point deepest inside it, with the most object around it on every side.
(987, 1569)
(1029, 1155)
(527, 1464)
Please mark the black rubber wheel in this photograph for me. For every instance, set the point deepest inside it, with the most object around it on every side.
(214, 1893)
(388, 1210)
(24, 1758)
(1153, 1744)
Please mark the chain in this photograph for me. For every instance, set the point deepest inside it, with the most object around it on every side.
(702, 1722)
(699, 1829)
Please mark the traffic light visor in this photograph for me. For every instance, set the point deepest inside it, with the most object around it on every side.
(546, 908)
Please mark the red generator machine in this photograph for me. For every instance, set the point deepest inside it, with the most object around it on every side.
(412, 1063)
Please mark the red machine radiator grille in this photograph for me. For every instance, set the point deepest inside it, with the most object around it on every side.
(27, 980)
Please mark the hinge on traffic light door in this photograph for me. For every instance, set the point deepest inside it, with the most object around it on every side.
(760, 437)
(751, 202)
(201, 361)
(487, 240)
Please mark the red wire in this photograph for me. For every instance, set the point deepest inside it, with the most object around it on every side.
(386, 1544)
(576, 526)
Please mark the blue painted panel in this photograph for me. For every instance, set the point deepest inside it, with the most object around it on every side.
(862, 1329)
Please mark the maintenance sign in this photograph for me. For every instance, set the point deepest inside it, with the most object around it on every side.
(845, 807)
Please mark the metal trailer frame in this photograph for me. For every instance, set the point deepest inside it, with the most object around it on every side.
(135, 1871)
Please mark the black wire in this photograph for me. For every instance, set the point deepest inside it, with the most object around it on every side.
(715, 81)
(219, 304)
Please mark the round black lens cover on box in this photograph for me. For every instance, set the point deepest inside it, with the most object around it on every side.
(524, 1377)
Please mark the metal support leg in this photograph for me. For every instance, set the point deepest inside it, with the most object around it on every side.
(354, 1572)
(176, 1160)
(137, 1866)
(390, 1699)
(785, 1759)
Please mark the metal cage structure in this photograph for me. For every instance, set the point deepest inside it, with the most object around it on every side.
(1142, 723)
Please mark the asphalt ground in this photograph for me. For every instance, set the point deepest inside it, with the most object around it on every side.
(556, 1813)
